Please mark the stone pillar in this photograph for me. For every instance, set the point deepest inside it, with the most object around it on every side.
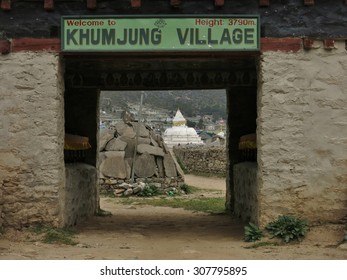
(32, 138)
(302, 134)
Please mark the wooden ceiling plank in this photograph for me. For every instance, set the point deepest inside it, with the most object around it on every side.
(92, 4)
(219, 3)
(136, 4)
(6, 5)
(264, 3)
(308, 2)
(175, 3)
(48, 5)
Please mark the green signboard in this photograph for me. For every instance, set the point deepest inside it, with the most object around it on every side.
(149, 34)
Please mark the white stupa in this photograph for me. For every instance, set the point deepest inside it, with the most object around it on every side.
(180, 134)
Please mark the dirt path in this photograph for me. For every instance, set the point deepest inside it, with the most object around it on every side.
(208, 183)
(145, 232)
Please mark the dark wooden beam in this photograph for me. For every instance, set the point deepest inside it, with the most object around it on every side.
(175, 3)
(219, 3)
(6, 5)
(48, 5)
(91, 4)
(31, 44)
(308, 43)
(264, 3)
(281, 44)
(308, 2)
(5, 46)
(136, 4)
(329, 44)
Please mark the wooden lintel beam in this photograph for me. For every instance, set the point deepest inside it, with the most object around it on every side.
(5, 46)
(6, 5)
(308, 2)
(48, 5)
(91, 4)
(136, 4)
(175, 3)
(264, 3)
(219, 3)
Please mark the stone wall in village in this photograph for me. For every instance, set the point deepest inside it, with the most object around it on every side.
(208, 160)
(32, 135)
(302, 134)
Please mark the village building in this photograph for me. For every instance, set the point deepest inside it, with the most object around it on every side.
(180, 133)
(282, 64)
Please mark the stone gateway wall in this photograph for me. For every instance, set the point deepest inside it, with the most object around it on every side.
(202, 159)
(32, 134)
(302, 134)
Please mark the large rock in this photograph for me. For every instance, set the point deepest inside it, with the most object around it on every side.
(144, 140)
(144, 148)
(129, 132)
(129, 150)
(145, 166)
(105, 136)
(121, 127)
(143, 131)
(116, 145)
(169, 166)
(114, 166)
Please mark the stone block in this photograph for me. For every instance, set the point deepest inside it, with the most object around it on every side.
(114, 166)
(145, 166)
(143, 131)
(105, 136)
(129, 132)
(144, 148)
(169, 166)
(121, 127)
(116, 145)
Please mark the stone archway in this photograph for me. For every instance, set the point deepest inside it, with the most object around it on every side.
(85, 76)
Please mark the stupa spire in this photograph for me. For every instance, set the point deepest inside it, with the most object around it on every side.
(179, 120)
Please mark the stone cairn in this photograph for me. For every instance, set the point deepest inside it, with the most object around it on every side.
(154, 165)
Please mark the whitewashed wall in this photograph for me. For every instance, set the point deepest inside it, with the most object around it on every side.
(32, 135)
(302, 134)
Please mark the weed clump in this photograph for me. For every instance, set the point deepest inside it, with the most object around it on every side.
(252, 233)
(288, 228)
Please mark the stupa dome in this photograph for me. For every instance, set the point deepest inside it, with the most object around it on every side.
(180, 134)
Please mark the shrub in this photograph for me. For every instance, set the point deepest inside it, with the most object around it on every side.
(149, 190)
(288, 228)
(252, 233)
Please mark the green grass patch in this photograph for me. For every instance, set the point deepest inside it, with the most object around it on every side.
(209, 205)
(52, 235)
(189, 189)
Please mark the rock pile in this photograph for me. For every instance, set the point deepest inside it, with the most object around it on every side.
(153, 161)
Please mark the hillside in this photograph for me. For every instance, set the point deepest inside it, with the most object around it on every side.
(190, 102)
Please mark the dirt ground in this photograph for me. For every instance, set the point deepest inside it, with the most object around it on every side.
(139, 232)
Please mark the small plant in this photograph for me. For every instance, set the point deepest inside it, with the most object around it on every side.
(288, 228)
(252, 233)
(59, 236)
(188, 189)
(55, 235)
(149, 190)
